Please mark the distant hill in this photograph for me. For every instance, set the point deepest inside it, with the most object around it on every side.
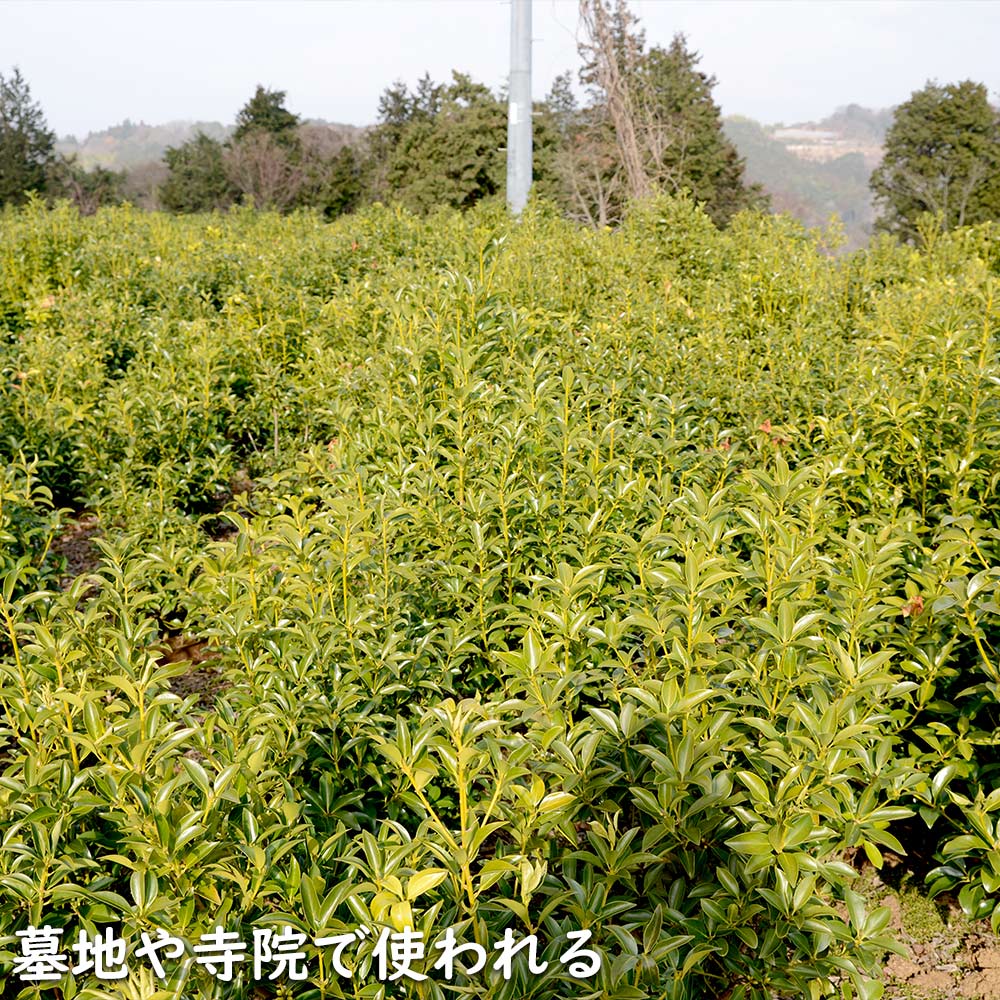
(813, 170)
(133, 144)
(848, 130)
(130, 144)
(862, 124)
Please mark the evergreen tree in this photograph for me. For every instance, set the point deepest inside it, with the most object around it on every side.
(263, 158)
(444, 144)
(26, 143)
(341, 184)
(332, 171)
(942, 155)
(266, 112)
(398, 109)
(561, 106)
(686, 146)
(197, 179)
(272, 160)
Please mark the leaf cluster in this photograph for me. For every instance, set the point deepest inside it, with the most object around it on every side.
(644, 582)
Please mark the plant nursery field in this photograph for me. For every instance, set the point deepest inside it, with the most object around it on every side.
(461, 608)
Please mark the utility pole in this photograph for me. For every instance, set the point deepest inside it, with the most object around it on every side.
(519, 107)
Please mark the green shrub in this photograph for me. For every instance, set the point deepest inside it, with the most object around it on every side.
(642, 582)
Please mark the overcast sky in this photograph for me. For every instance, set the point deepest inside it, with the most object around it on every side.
(93, 64)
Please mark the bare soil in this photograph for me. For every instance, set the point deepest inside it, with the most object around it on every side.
(203, 679)
(76, 546)
(949, 957)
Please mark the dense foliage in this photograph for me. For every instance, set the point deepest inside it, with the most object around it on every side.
(942, 156)
(266, 112)
(29, 164)
(196, 178)
(643, 581)
(692, 151)
(442, 145)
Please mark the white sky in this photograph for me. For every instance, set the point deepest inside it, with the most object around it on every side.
(93, 64)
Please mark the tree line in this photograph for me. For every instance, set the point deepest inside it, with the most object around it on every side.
(443, 143)
(648, 122)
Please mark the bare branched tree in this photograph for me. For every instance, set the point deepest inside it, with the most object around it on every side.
(617, 83)
(593, 177)
(651, 146)
(263, 169)
(322, 142)
(88, 190)
(143, 183)
(977, 176)
(650, 126)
